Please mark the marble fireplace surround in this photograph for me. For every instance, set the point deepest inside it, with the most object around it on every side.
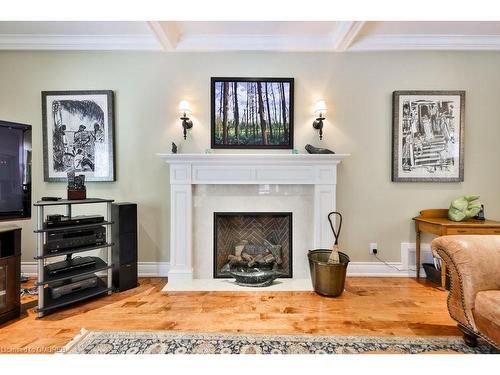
(189, 170)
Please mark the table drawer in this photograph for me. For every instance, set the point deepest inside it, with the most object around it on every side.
(430, 228)
(473, 231)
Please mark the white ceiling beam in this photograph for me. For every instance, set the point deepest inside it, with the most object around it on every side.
(166, 33)
(345, 33)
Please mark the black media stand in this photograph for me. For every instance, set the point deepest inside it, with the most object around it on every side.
(46, 302)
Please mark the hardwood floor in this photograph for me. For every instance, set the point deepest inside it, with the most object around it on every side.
(369, 306)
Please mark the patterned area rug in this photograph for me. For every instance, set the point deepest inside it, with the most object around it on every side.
(169, 342)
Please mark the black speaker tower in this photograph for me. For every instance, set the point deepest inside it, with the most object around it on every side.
(124, 216)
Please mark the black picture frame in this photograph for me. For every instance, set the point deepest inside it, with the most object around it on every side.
(286, 144)
(428, 147)
(108, 135)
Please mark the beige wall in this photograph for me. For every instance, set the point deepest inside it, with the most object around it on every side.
(356, 86)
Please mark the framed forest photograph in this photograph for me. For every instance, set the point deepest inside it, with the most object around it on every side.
(78, 135)
(251, 113)
(428, 136)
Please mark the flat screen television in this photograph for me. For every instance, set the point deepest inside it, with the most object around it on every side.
(15, 171)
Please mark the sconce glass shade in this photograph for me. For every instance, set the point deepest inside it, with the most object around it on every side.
(184, 107)
(320, 107)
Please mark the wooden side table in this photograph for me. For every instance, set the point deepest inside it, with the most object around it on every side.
(435, 221)
(10, 272)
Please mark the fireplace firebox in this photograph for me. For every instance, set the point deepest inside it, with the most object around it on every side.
(253, 239)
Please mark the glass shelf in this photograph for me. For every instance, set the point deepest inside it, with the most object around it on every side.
(62, 202)
(74, 251)
(70, 227)
(99, 266)
(54, 303)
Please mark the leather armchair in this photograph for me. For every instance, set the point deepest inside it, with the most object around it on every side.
(474, 299)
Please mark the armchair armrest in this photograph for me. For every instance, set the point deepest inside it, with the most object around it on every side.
(474, 265)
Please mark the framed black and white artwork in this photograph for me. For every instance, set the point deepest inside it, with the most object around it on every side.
(78, 135)
(428, 136)
(252, 113)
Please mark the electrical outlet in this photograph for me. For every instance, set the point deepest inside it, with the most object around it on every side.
(373, 246)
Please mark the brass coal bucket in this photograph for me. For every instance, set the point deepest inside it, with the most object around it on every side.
(327, 279)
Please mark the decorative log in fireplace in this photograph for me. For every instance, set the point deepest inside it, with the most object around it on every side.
(261, 240)
(262, 256)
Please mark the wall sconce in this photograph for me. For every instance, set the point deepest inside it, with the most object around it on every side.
(319, 109)
(184, 110)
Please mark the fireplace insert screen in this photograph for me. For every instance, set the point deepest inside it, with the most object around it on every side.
(252, 239)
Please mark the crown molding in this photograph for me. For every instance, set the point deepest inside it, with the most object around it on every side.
(346, 38)
(78, 42)
(427, 42)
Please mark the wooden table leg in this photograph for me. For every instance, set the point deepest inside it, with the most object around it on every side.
(417, 252)
(443, 274)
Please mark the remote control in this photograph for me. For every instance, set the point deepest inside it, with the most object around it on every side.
(50, 198)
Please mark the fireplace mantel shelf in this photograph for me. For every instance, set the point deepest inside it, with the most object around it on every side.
(307, 169)
(251, 158)
(188, 170)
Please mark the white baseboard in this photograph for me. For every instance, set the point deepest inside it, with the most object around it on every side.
(405, 268)
(160, 269)
(145, 269)
(379, 269)
(153, 269)
(28, 268)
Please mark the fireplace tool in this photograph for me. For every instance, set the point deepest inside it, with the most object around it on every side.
(329, 266)
(334, 257)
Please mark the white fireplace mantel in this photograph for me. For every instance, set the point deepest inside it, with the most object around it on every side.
(187, 170)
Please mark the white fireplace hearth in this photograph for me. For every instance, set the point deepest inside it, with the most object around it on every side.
(201, 184)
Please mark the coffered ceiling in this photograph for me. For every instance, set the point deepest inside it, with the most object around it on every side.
(174, 36)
